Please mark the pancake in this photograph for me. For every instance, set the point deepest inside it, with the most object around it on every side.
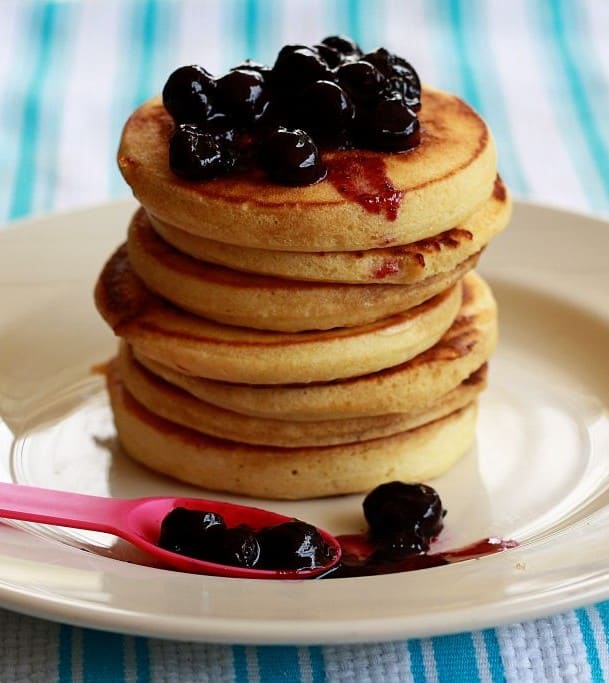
(405, 264)
(443, 180)
(196, 346)
(167, 401)
(421, 381)
(269, 303)
(288, 473)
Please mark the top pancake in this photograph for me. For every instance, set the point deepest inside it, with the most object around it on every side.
(442, 181)
(401, 265)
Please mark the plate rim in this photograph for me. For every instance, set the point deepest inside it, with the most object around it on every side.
(230, 630)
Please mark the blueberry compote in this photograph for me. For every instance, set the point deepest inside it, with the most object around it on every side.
(313, 99)
(291, 545)
(403, 520)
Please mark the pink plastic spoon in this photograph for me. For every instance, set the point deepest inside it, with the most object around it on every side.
(138, 521)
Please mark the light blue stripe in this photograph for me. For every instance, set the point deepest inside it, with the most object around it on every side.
(318, 665)
(142, 660)
(470, 42)
(240, 664)
(64, 672)
(278, 664)
(51, 96)
(493, 655)
(343, 19)
(233, 23)
(146, 35)
(417, 665)
(133, 78)
(12, 100)
(594, 662)
(22, 195)
(587, 86)
(567, 111)
(455, 658)
(103, 657)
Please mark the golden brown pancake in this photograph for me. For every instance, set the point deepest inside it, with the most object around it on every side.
(419, 382)
(289, 473)
(405, 264)
(200, 347)
(269, 303)
(167, 401)
(442, 181)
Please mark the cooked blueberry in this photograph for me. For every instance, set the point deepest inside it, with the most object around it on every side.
(240, 547)
(399, 507)
(363, 81)
(292, 545)
(398, 545)
(401, 76)
(243, 94)
(187, 94)
(290, 157)
(251, 65)
(326, 108)
(222, 127)
(297, 67)
(330, 56)
(392, 126)
(195, 154)
(341, 44)
(184, 530)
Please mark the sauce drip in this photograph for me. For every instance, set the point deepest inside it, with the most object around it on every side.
(362, 178)
(358, 559)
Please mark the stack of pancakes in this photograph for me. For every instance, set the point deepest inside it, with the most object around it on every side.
(300, 342)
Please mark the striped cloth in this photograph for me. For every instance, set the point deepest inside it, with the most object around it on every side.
(71, 72)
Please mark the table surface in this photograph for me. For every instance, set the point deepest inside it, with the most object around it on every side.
(71, 72)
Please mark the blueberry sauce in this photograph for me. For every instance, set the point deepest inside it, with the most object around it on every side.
(327, 96)
(403, 520)
(362, 178)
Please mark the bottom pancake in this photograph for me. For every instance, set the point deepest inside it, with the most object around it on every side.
(287, 473)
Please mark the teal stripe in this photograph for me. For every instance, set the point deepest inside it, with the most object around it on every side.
(455, 658)
(493, 655)
(240, 664)
(461, 53)
(23, 190)
(257, 24)
(343, 19)
(134, 78)
(562, 90)
(51, 96)
(278, 664)
(103, 657)
(583, 86)
(480, 80)
(64, 673)
(318, 665)
(146, 36)
(12, 100)
(417, 664)
(250, 27)
(142, 660)
(585, 626)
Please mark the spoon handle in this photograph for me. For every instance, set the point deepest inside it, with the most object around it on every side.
(33, 504)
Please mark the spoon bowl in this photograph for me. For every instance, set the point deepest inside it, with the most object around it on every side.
(138, 521)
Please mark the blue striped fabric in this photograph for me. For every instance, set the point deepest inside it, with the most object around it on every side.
(71, 72)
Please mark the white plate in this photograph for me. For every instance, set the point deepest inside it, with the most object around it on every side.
(539, 472)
